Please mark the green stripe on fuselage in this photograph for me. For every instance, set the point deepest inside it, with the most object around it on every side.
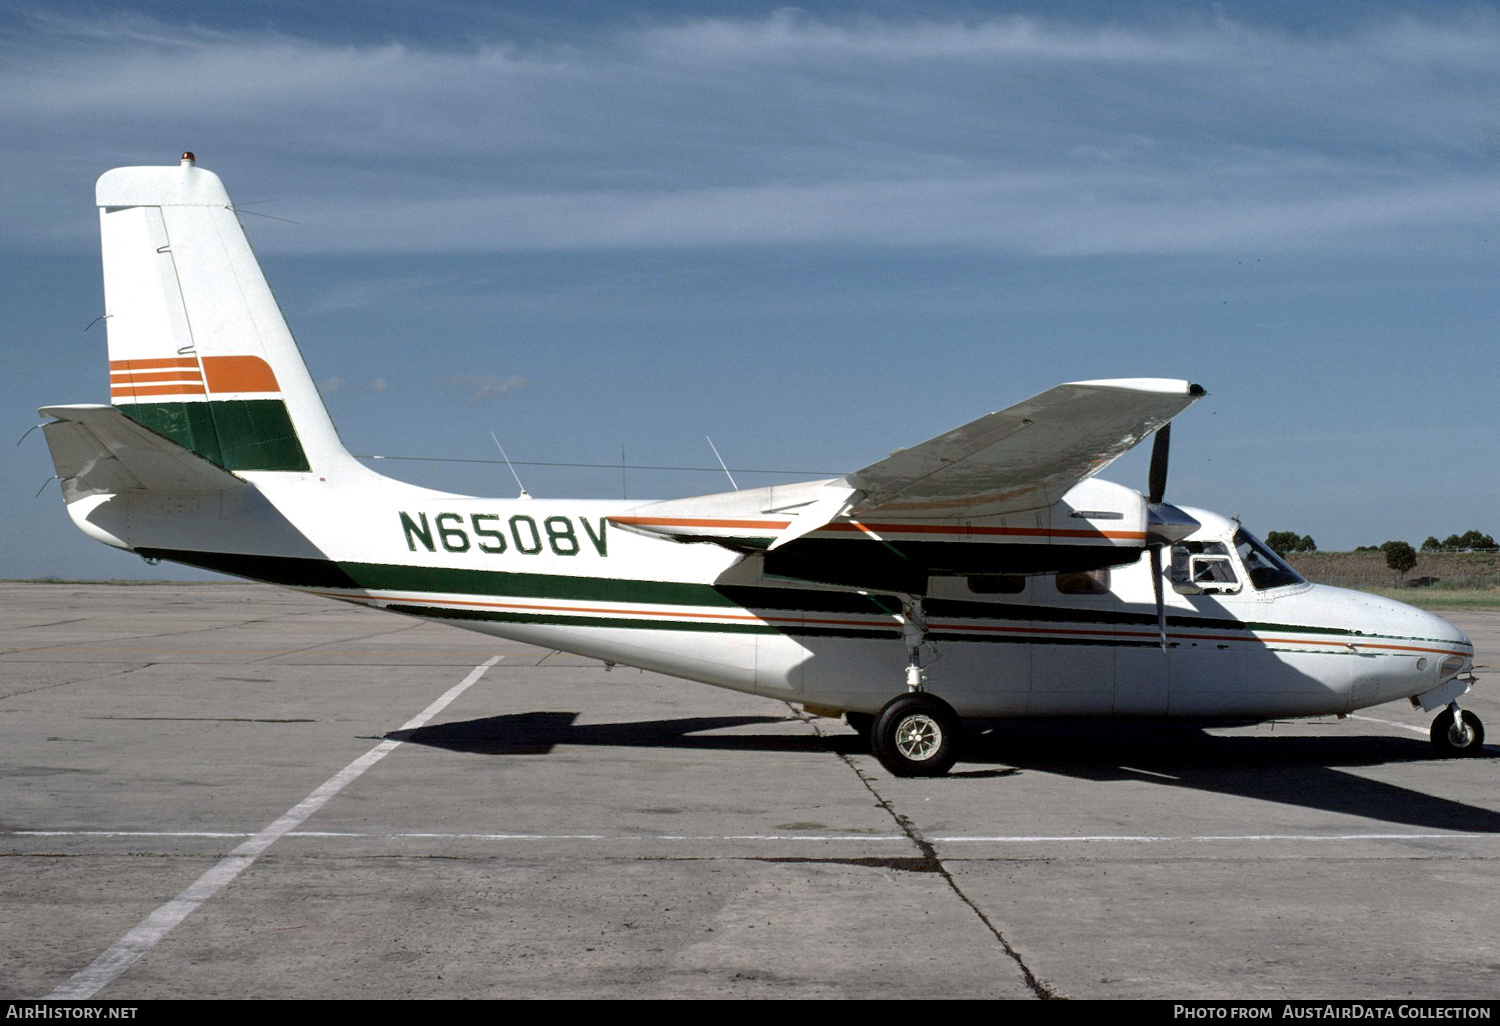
(388, 577)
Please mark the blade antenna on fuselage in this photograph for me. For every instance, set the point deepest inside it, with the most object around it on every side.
(524, 493)
(727, 474)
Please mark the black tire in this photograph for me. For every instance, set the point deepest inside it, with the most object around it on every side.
(862, 724)
(916, 735)
(1450, 741)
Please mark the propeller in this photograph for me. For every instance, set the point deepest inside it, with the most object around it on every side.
(1165, 523)
(1161, 447)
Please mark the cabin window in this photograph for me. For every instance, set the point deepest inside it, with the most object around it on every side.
(997, 584)
(1089, 582)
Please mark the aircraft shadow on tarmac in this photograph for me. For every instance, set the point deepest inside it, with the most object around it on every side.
(1311, 772)
(1302, 771)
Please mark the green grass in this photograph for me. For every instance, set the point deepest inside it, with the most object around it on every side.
(1442, 598)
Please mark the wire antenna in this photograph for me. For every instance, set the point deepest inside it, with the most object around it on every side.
(524, 493)
(727, 474)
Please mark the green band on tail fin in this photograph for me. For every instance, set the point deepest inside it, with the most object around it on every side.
(236, 434)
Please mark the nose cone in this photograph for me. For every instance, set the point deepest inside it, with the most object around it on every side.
(1399, 651)
(1374, 616)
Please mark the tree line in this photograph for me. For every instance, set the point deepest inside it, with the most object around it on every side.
(1399, 555)
(1283, 542)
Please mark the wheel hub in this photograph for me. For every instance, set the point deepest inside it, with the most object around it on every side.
(918, 737)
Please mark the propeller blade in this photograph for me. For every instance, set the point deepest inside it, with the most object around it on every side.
(1159, 451)
(1161, 602)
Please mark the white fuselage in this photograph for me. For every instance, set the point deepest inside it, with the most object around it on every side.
(558, 574)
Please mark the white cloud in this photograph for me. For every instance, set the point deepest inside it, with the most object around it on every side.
(336, 384)
(478, 387)
(1014, 134)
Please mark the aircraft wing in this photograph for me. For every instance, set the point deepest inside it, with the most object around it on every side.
(98, 449)
(1022, 457)
(942, 495)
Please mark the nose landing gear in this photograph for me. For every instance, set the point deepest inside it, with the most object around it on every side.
(915, 734)
(1457, 732)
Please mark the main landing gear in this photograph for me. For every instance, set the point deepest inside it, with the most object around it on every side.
(1457, 732)
(916, 734)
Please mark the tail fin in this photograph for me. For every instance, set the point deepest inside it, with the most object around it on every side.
(198, 349)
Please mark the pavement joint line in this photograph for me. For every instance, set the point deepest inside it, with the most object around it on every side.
(99, 973)
(429, 836)
(931, 857)
(227, 625)
(129, 668)
(334, 644)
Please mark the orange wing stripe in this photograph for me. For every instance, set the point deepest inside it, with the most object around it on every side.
(239, 374)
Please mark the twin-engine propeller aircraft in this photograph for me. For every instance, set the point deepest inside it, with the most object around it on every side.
(1045, 591)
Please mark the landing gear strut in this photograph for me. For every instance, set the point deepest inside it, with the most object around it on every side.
(1457, 732)
(915, 734)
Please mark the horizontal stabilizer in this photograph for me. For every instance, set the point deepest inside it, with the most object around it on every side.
(98, 449)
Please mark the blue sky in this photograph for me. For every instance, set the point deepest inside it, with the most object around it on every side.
(816, 234)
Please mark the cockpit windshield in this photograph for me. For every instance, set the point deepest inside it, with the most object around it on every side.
(1266, 569)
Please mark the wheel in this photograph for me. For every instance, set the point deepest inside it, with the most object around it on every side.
(916, 735)
(1450, 739)
(862, 724)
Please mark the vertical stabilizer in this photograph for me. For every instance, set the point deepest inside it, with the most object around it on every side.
(198, 349)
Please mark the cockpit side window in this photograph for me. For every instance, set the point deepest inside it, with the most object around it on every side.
(1202, 566)
(1266, 569)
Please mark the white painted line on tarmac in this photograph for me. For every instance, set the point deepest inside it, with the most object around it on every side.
(1391, 723)
(107, 967)
(949, 839)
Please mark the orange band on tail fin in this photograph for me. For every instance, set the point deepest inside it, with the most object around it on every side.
(239, 374)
